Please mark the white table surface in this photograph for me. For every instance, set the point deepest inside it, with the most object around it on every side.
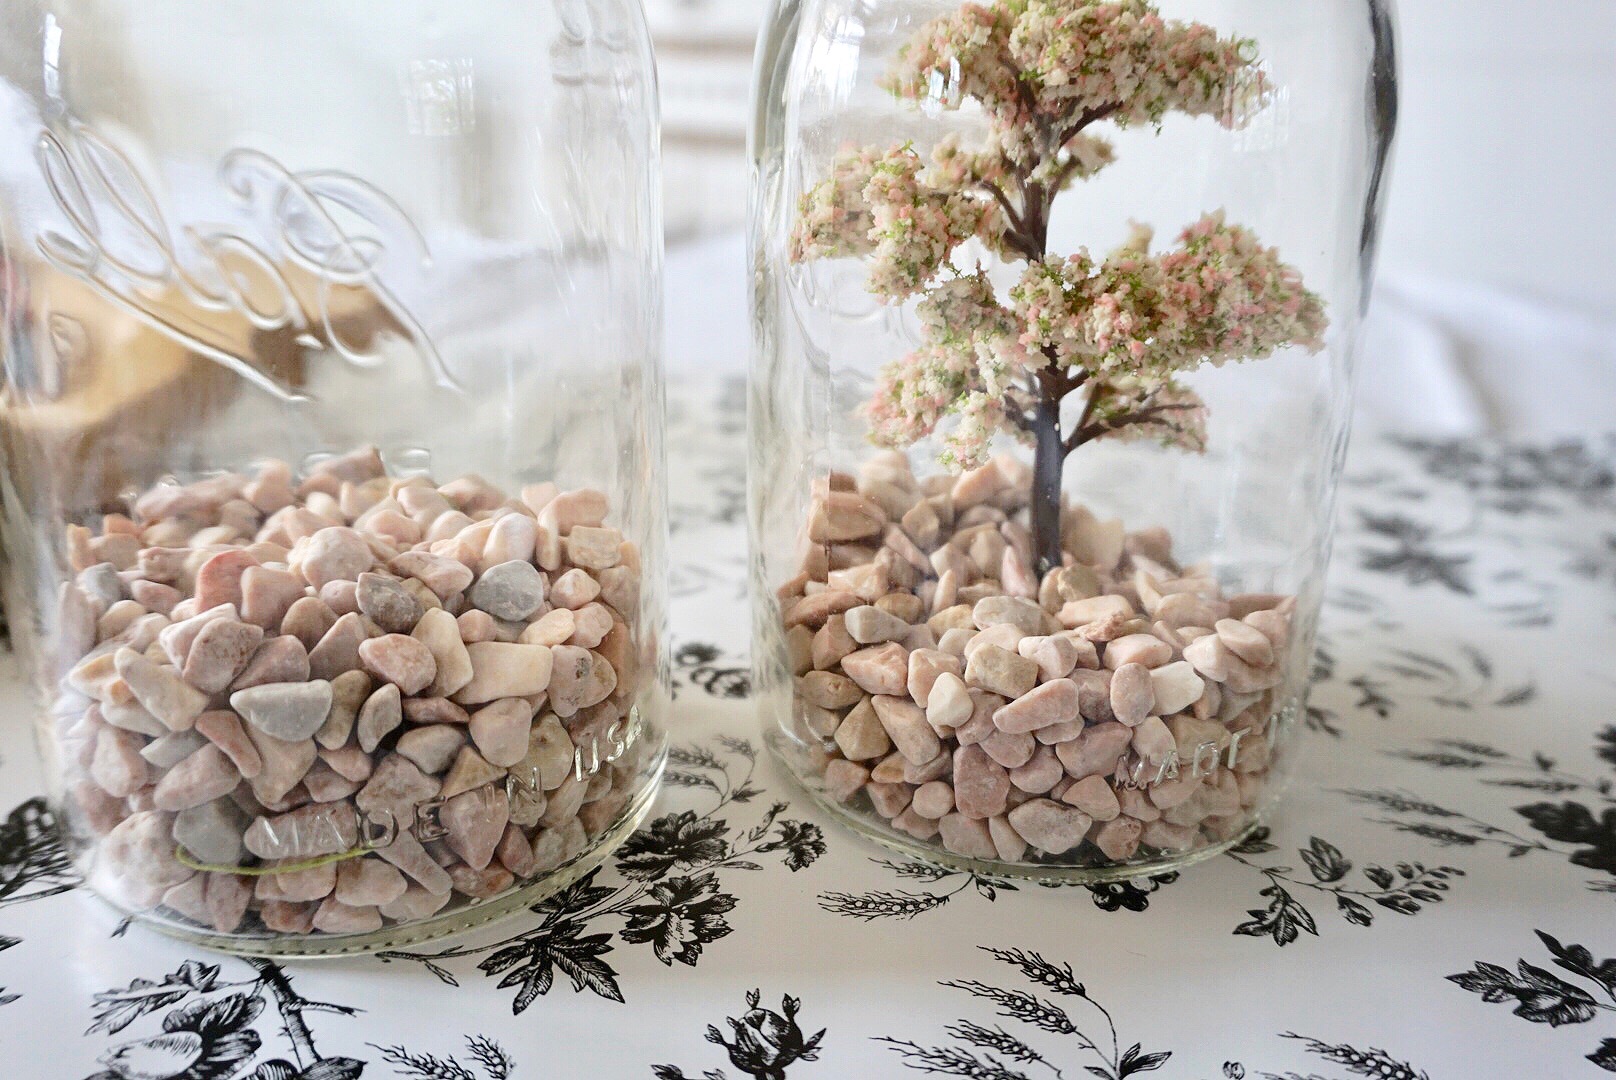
(1454, 794)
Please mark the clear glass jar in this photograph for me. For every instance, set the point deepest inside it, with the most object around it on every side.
(332, 422)
(1036, 559)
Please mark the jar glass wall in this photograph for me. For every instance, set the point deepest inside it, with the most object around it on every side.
(332, 423)
(1056, 307)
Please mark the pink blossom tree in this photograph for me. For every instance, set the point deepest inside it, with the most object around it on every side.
(1121, 330)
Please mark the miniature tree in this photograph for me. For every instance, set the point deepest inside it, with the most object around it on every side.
(1122, 329)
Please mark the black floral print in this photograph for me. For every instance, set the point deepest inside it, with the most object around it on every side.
(762, 1043)
(699, 665)
(33, 863)
(1542, 997)
(209, 1031)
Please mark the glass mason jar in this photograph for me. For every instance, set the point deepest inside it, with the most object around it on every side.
(332, 430)
(1056, 305)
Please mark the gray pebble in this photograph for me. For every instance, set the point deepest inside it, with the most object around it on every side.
(388, 603)
(212, 832)
(290, 711)
(512, 590)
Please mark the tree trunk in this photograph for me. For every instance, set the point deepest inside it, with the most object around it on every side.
(290, 1006)
(1048, 460)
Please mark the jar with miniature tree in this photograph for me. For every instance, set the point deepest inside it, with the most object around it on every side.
(1056, 304)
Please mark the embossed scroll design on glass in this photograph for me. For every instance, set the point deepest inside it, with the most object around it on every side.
(331, 417)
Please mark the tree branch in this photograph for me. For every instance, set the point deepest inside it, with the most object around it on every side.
(1088, 432)
(1084, 119)
(1003, 200)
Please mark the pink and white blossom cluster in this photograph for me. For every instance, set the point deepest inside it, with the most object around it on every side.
(1122, 328)
(876, 204)
(1219, 296)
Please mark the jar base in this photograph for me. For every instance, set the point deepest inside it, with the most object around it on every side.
(451, 923)
(1052, 874)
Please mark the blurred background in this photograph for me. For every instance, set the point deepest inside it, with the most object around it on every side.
(1497, 285)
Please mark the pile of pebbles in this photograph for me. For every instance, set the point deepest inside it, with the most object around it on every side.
(1117, 709)
(406, 693)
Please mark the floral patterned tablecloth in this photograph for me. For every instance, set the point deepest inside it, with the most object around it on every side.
(1437, 897)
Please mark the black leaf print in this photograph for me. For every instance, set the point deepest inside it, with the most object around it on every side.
(117, 1009)
(208, 1032)
(1283, 919)
(1579, 961)
(1135, 1061)
(1325, 860)
(1354, 912)
(1402, 903)
(531, 964)
(1256, 842)
(1605, 1056)
(576, 898)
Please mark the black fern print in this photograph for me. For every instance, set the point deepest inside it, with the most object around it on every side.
(699, 666)
(1585, 826)
(33, 863)
(1417, 816)
(670, 896)
(1372, 1063)
(1465, 680)
(985, 1052)
(1404, 889)
(907, 903)
(1542, 997)
(761, 1043)
(491, 1059)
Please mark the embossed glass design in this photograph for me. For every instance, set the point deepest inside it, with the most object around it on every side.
(333, 496)
(1056, 307)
